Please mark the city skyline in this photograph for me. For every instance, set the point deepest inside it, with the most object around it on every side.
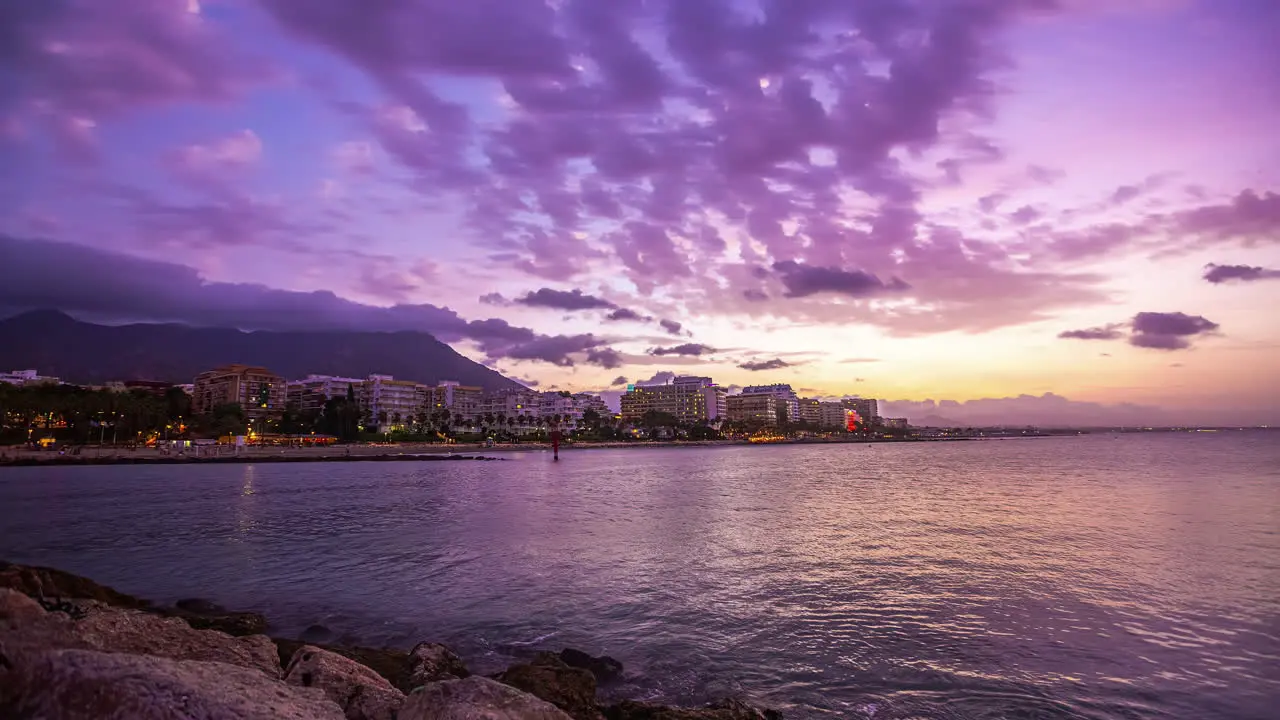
(973, 210)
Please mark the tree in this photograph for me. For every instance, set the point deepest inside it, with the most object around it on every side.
(591, 419)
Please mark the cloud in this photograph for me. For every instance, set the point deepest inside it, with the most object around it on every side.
(1218, 274)
(690, 349)
(1249, 217)
(1047, 410)
(671, 326)
(562, 300)
(662, 377)
(805, 280)
(1168, 331)
(625, 314)
(1106, 332)
(620, 380)
(857, 360)
(494, 298)
(758, 365)
(607, 358)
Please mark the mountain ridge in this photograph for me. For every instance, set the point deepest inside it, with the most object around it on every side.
(57, 344)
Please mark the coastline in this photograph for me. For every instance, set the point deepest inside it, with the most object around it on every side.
(72, 647)
(399, 452)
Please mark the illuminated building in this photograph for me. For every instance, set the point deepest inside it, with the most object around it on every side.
(781, 392)
(462, 401)
(833, 415)
(811, 411)
(755, 410)
(257, 390)
(865, 407)
(897, 423)
(689, 399)
(313, 392)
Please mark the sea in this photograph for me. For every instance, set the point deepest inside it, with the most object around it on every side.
(1099, 576)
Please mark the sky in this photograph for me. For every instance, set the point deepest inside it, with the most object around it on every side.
(1014, 209)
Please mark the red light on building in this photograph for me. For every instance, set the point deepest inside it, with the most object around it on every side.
(852, 420)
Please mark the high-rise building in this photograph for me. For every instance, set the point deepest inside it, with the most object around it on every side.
(811, 411)
(896, 423)
(511, 403)
(790, 402)
(313, 392)
(390, 404)
(867, 408)
(834, 415)
(688, 399)
(258, 391)
(758, 410)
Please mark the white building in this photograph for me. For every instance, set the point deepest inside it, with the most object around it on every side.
(833, 415)
(391, 404)
(314, 391)
(27, 377)
(687, 398)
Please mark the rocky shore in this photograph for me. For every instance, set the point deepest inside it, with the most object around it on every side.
(71, 649)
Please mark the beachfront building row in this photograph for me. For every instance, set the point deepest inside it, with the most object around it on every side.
(387, 404)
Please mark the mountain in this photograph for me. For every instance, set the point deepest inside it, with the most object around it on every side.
(56, 344)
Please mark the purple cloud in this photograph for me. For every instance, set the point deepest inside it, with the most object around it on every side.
(1249, 216)
(671, 326)
(805, 280)
(1168, 331)
(759, 365)
(607, 358)
(688, 349)
(625, 314)
(1106, 332)
(620, 380)
(1217, 274)
(562, 300)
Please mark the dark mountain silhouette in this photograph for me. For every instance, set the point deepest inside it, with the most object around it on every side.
(56, 344)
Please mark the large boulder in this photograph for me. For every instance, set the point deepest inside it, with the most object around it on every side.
(729, 709)
(390, 663)
(42, 582)
(130, 631)
(569, 688)
(476, 698)
(605, 668)
(362, 693)
(91, 685)
(431, 662)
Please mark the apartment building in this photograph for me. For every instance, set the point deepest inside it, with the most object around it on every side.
(789, 402)
(260, 392)
(689, 399)
(512, 403)
(756, 410)
(390, 404)
(311, 393)
(867, 408)
(462, 401)
(811, 411)
(833, 415)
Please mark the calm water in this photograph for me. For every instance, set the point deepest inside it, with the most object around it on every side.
(1088, 577)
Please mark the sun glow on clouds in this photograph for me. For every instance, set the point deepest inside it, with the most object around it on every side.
(945, 190)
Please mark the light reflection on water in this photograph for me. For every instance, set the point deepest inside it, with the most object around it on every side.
(1073, 577)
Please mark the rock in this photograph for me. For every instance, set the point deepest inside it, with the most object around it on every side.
(430, 662)
(130, 631)
(205, 615)
(317, 633)
(390, 663)
(605, 668)
(42, 582)
(362, 693)
(476, 698)
(91, 685)
(24, 623)
(569, 688)
(723, 710)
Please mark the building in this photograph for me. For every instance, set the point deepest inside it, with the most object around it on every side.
(757, 410)
(257, 390)
(834, 416)
(811, 411)
(462, 401)
(590, 401)
(867, 409)
(789, 402)
(390, 404)
(312, 393)
(689, 399)
(512, 403)
(896, 423)
(27, 377)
